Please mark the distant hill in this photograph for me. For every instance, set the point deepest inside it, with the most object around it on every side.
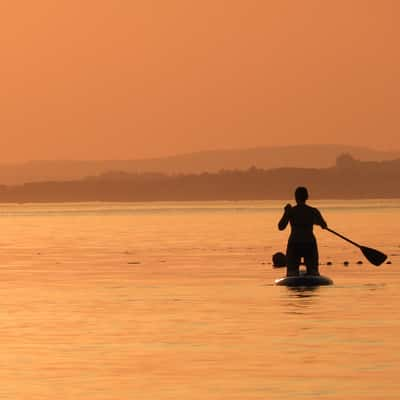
(349, 178)
(306, 156)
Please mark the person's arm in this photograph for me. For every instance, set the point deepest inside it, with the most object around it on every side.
(285, 218)
(319, 220)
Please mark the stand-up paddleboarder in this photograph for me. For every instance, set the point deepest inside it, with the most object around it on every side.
(302, 242)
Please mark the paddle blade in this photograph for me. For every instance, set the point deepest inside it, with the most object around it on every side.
(375, 257)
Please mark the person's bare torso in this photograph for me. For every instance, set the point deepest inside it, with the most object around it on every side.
(302, 219)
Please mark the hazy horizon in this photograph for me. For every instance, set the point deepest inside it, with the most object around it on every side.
(205, 150)
(127, 80)
(304, 156)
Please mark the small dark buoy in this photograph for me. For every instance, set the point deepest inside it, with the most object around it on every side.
(329, 263)
(359, 262)
(346, 263)
(279, 260)
(388, 262)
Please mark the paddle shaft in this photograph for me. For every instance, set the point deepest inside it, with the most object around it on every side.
(375, 257)
(344, 238)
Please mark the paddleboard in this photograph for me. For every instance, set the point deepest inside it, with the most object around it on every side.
(304, 280)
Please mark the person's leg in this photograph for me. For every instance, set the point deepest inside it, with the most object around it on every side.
(293, 260)
(311, 259)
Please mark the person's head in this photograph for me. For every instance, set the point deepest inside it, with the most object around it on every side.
(301, 195)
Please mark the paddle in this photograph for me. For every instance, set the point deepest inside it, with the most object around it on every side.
(375, 257)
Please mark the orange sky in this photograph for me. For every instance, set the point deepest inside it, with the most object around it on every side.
(96, 79)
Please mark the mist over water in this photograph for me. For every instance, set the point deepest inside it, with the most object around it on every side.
(176, 300)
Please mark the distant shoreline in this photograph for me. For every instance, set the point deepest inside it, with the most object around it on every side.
(266, 158)
(350, 179)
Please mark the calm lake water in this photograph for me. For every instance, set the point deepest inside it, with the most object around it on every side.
(176, 301)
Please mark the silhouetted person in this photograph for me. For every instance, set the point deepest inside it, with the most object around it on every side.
(302, 242)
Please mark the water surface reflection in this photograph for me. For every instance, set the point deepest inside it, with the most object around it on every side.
(299, 300)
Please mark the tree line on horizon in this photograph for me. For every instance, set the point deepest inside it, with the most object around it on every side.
(348, 179)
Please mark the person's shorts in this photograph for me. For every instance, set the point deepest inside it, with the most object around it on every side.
(298, 251)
